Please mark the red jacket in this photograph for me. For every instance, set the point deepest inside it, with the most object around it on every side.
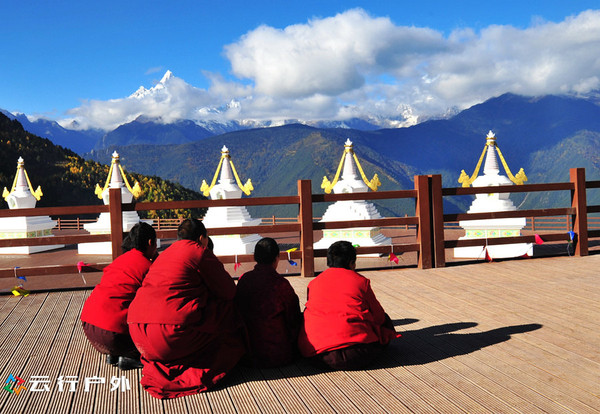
(107, 305)
(341, 311)
(181, 283)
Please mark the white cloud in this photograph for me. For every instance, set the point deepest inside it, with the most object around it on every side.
(328, 56)
(355, 64)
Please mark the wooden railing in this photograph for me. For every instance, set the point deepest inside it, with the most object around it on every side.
(78, 223)
(428, 221)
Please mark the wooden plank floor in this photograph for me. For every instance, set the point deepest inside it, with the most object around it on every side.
(501, 337)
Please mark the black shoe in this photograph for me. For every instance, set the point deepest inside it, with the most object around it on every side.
(126, 363)
(112, 360)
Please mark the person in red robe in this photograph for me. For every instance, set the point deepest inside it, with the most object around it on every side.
(345, 327)
(270, 309)
(104, 314)
(182, 319)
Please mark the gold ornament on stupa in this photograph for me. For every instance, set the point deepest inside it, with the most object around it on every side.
(491, 145)
(115, 167)
(21, 172)
(326, 185)
(247, 188)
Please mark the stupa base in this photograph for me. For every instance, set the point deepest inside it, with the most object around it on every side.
(102, 226)
(500, 251)
(29, 249)
(362, 237)
(234, 244)
(27, 228)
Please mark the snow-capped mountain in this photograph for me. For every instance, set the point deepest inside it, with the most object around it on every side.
(173, 111)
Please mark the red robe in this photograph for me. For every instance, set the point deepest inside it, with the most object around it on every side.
(107, 305)
(183, 322)
(341, 311)
(271, 312)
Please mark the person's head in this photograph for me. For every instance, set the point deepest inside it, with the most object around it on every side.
(266, 251)
(141, 237)
(192, 229)
(341, 254)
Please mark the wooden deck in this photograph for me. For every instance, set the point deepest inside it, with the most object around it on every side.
(500, 337)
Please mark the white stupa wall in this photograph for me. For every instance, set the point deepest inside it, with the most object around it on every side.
(351, 210)
(492, 228)
(25, 227)
(102, 225)
(230, 216)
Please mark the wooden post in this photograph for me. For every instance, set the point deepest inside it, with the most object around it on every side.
(116, 221)
(423, 213)
(579, 203)
(306, 228)
(437, 223)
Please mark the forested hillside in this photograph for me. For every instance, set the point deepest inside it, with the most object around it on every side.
(67, 179)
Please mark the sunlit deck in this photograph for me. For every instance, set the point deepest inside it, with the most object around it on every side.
(511, 336)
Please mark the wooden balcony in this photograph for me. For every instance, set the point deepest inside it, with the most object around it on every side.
(501, 337)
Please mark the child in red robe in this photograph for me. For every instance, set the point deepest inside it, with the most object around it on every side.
(104, 314)
(182, 319)
(345, 327)
(270, 309)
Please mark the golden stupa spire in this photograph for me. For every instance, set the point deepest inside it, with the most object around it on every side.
(22, 180)
(491, 147)
(116, 175)
(226, 158)
(374, 184)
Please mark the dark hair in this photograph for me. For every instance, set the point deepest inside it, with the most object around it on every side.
(341, 254)
(266, 251)
(139, 237)
(191, 229)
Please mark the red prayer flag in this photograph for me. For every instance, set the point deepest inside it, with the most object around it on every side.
(487, 256)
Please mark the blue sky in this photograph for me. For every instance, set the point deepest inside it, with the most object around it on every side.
(82, 59)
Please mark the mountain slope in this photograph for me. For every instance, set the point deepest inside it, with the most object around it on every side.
(528, 131)
(149, 131)
(77, 141)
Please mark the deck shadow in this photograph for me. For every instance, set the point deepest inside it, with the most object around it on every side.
(416, 347)
(436, 343)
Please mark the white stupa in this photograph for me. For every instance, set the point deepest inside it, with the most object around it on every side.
(116, 179)
(22, 195)
(230, 216)
(492, 202)
(352, 209)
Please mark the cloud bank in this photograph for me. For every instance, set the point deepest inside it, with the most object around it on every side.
(357, 65)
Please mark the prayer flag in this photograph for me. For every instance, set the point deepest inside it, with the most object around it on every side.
(487, 256)
(80, 265)
(538, 240)
(19, 291)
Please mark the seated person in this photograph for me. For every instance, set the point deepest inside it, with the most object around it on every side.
(182, 319)
(104, 314)
(345, 327)
(270, 309)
